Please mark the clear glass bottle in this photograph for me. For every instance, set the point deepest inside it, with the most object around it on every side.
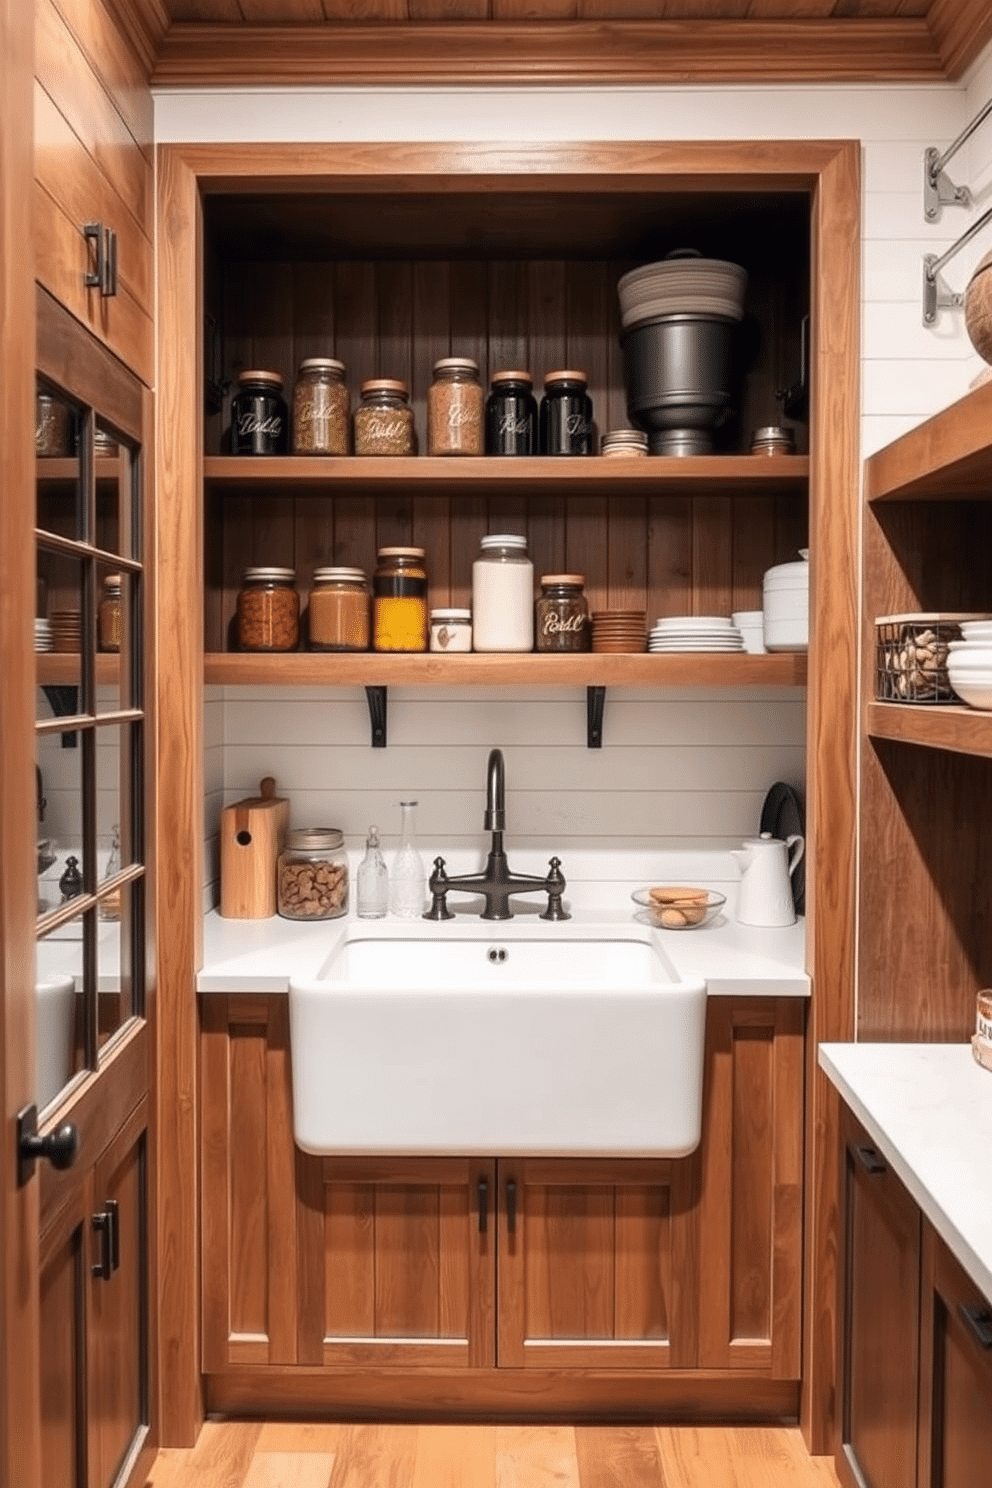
(372, 880)
(407, 879)
(110, 907)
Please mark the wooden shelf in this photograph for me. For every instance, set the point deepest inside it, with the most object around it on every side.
(958, 729)
(374, 669)
(948, 458)
(57, 471)
(743, 475)
(61, 668)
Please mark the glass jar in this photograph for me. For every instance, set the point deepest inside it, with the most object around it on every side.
(54, 432)
(312, 875)
(321, 408)
(399, 600)
(454, 408)
(511, 415)
(268, 610)
(109, 615)
(384, 419)
(451, 630)
(259, 415)
(503, 595)
(566, 415)
(339, 610)
(562, 614)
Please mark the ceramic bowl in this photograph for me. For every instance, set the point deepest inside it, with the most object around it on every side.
(971, 653)
(680, 907)
(975, 690)
(977, 630)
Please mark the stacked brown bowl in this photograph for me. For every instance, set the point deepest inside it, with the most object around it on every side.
(619, 630)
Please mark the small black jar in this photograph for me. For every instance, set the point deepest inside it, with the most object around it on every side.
(511, 415)
(566, 415)
(259, 415)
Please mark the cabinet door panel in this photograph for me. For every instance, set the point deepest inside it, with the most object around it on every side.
(956, 1374)
(880, 1269)
(64, 1278)
(596, 1264)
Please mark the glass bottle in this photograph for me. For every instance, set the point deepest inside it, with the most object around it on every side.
(110, 907)
(372, 880)
(407, 879)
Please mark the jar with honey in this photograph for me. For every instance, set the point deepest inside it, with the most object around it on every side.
(399, 600)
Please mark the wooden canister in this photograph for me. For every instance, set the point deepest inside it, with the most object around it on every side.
(252, 832)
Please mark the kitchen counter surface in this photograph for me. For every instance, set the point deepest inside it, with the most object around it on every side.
(735, 960)
(928, 1107)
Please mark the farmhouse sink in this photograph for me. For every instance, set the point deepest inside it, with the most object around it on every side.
(497, 1043)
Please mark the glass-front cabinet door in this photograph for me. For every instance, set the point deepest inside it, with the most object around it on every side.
(92, 989)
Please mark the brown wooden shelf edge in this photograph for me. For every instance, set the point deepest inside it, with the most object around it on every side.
(947, 458)
(958, 729)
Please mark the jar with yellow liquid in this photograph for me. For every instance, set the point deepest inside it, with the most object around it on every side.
(399, 600)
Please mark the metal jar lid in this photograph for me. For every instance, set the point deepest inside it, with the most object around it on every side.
(565, 375)
(450, 617)
(773, 436)
(577, 580)
(339, 575)
(500, 377)
(270, 575)
(456, 364)
(503, 540)
(402, 552)
(272, 379)
(385, 385)
(315, 839)
(323, 364)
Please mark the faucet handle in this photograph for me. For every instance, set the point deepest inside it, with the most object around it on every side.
(555, 885)
(438, 885)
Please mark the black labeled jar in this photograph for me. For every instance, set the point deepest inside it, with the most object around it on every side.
(562, 614)
(259, 415)
(566, 415)
(511, 415)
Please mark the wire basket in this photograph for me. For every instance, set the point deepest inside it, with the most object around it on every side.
(911, 658)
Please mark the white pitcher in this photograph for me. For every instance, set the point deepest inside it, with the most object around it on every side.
(767, 864)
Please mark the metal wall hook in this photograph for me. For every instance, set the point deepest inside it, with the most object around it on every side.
(937, 297)
(939, 190)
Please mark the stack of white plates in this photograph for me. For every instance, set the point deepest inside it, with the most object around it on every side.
(42, 636)
(969, 664)
(695, 633)
(678, 285)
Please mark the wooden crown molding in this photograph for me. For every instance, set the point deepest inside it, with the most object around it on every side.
(616, 53)
(961, 29)
(144, 23)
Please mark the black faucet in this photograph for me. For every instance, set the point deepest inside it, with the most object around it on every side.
(497, 883)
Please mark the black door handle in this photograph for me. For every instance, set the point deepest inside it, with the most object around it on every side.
(511, 1205)
(102, 1227)
(483, 1205)
(871, 1160)
(979, 1320)
(59, 1147)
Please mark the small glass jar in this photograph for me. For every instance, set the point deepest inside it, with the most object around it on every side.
(454, 408)
(321, 422)
(566, 414)
(451, 630)
(503, 595)
(339, 615)
(54, 431)
(562, 613)
(511, 415)
(268, 610)
(259, 415)
(399, 600)
(312, 875)
(383, 420)
(109, 615)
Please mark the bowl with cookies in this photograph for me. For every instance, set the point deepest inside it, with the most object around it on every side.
(678, 906)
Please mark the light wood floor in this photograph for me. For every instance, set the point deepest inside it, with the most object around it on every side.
(239, 1455)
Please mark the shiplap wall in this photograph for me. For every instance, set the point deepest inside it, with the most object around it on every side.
(677, 769)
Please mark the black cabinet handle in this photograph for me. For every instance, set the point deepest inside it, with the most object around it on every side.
(870, 1159)
(483, 1205)
(58, 1147)
(103, 276)
(979, 1321)
(511, 1205)
(109, 286)
(112, 1210)
(102, 1227)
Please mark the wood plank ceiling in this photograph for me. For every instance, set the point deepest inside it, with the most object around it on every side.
(609, 42)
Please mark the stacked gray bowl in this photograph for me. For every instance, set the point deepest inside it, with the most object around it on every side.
(677, 318)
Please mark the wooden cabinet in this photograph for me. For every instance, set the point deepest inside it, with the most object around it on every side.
(486, 1273)
(956, 1373)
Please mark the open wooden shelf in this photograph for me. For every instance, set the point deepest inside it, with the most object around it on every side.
(949, 458)
(724, 475)
(62, 669)
(426, 669)
(959, 729)
(58, 471)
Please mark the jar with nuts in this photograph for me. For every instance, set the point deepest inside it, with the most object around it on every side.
(312, 875)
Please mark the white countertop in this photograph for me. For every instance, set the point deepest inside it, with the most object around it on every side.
(929, 1109)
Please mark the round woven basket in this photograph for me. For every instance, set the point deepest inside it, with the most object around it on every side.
(978, 308)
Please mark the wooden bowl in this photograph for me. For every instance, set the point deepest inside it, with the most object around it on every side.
(978, 308)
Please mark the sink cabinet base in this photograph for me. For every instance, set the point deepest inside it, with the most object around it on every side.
(537, 1286)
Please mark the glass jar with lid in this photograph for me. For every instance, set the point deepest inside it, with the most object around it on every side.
(399, 600)
(562, 614)
(566, 414)
(312, 875)
(454, 408)
(321, 412)
(511, 415)
(259, 415)
(451, 630)
(268, 610)
(109, 615)
(339, 616)
(383, 420)
(503, 595)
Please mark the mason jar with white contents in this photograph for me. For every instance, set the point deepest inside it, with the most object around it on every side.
(503, 595)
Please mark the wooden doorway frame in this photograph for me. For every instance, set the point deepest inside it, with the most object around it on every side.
(829, 171)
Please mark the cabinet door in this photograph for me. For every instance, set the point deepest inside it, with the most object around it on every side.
(955, 1374)
(597, 1264)
(64, 1285)
(880, 1299)
(750, 1228)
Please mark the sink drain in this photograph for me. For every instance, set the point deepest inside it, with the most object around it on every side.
(497, 954)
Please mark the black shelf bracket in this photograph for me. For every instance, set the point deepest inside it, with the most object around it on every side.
(64, 703)
(377, 715)
(595, 700)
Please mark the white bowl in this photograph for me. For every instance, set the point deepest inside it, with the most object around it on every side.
(787, 634)
(971, 653)
(973, 692)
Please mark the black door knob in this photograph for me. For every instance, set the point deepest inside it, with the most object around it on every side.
(59, 1147)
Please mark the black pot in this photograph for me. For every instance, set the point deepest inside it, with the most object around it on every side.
(677, 373)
